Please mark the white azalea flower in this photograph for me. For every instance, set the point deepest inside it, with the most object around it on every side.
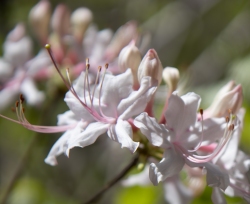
(182, 136)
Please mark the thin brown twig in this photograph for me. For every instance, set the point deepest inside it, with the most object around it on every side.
(98, 195)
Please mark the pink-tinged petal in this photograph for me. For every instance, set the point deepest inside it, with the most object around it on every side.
(213, 129)
(61, 144)
(218, 197)
(137, 100)
(170, 165)
(88, 136)
(155, 132)
(176, 192)
(122, 133)
(182, 111)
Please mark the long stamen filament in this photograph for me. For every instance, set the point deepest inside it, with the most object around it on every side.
(201, 159)
(96, 81)
(100, 92)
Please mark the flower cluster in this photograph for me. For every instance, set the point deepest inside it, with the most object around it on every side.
(117, 100)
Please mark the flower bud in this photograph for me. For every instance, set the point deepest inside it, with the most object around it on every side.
(17, 33)
(122, 37)
(150, 66)
(61, 20)
(39, 18)
(18, 47)
(171, 77)
(80, 20)
(130, 57)
(228, 98)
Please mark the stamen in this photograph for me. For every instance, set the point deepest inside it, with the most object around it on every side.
(100, 92)
(96, 81)
(225, 138)
(21, 98)
(68, 76)
(47, 46)
(86, 80)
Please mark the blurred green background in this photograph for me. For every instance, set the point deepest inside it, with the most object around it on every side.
(208, 41)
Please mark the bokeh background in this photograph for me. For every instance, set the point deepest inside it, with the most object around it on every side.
(208, 41)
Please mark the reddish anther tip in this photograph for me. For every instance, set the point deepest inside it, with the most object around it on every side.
(201, 111)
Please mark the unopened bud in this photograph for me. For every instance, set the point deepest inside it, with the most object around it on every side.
(61, 20)
(17, 33)
(39, 18)
(80, 19)
(171, 77)
(228, 98)
(150, 66)
(130, 57)
(122, 37)
(18, 47)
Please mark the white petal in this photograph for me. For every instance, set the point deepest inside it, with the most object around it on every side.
(216, 177)
(137, 100)
(77, 108)
(218, 197)
(176, 192)
(88, 136)
(32, 95)
(122, 133)
(181, 112)
(170, 165)
(67, 118)
(155, 132)
(61, 144)
(213, 129)
(8, 95)
(116, 88)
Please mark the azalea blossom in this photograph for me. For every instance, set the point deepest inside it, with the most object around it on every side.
(182, 136)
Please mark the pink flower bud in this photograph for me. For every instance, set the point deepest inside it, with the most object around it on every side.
(229, 98)
(39, 18)
(61, 20)
(130, 57)
(150, 66)
(122, 37)
(171, 77)
(17, 33)
(80, 19)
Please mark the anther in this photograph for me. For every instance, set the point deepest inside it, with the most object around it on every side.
(99, 68)
(231, 127)
(21, 98)
(47, 46)
(17, 104)
(106, 65)
(227, 119)
(201, 111)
